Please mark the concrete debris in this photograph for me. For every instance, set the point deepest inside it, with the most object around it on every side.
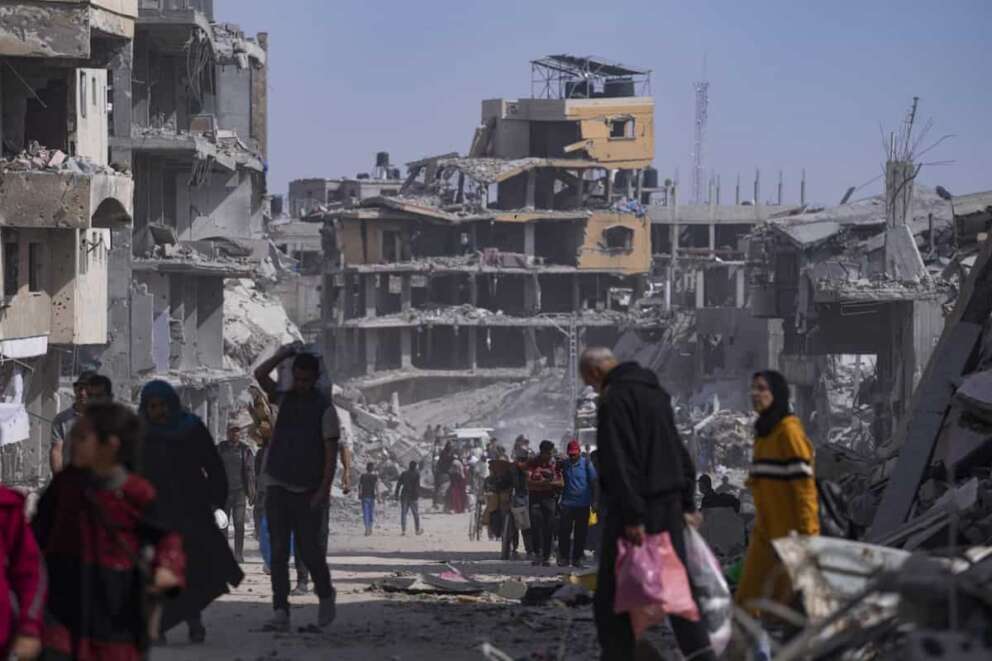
(42, 159)
(231, 45)
(254, 321)
(975, 395)
(863, 599)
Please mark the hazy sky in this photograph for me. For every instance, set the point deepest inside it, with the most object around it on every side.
(793, 83)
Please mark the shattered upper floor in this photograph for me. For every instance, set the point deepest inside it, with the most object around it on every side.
(847, 253)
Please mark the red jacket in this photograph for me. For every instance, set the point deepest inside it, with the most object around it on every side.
(24, 576)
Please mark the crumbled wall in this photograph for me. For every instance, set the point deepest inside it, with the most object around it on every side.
(50, 29)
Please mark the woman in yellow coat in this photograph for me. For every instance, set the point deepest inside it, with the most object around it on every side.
(784, 491)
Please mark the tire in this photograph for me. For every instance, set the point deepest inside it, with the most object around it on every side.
(509, 533)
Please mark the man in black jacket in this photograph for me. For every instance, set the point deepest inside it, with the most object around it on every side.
(648, 483)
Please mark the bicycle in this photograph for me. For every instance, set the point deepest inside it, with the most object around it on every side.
(475, 521)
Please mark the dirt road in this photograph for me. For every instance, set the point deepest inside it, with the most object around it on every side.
(374, 625)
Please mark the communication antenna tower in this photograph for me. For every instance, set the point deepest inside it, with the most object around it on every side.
(702, 88)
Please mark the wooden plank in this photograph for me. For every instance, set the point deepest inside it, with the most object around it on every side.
(952, 358)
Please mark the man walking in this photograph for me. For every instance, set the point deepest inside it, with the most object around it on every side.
(648, 482)
(60, 453)
(368, 484)
(576, 500)
(344, 455)
(239, 466)
(299, 471)
(408, 492)
(543, 481)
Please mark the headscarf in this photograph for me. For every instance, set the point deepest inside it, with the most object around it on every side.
(780, 402)
(178, 418)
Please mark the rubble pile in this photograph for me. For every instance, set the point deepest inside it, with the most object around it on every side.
(254, 322)
(729, 434)
(38, 158)
(921, 587)
(851, 416)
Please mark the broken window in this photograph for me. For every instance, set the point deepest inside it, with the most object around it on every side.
(618, 237)
(622, 128)
(11, 268)
(35, 267)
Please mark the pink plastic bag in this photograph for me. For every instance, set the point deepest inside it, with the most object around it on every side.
(652, 583)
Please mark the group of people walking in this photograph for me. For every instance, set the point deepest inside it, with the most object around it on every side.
(124, 544)
(547, 497)
(126, 536)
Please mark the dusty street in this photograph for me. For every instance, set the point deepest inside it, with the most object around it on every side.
(372, 624)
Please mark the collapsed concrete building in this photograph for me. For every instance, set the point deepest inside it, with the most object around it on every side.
(487, 267)
(189, 120)
(111, 113)
(300, 290)
(61, 205)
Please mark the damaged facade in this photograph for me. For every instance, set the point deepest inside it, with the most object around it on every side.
(190, 112)
(489, 266)
(61, 207)
(133, 186)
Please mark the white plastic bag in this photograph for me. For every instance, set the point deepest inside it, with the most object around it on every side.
(710, 589)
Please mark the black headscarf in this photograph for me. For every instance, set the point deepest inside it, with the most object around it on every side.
(780, 402)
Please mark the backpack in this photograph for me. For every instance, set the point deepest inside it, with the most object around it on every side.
(835, 516)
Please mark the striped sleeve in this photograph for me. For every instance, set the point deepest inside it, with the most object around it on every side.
(793, 468)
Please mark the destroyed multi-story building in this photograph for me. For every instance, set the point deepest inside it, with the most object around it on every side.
(62, 206)
(189, 120)
(486, 267)
(116, 111)
(851, 281)
(300, 290)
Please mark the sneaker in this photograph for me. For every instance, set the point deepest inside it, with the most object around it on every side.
(420, 532)
(562, 563)
(279, 622)
(326, 611)
(403, 533)
(545, 563)
(300, 590)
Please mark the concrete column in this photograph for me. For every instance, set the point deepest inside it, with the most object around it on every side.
(531, 190)
(576, 293)
(532, 294)
(529, 238)
(712, 228)
(260, 100)
(530, 348)
(473, 290)
(120, 71)
(406, 348)
(371, 295)
(700, 288)
(406, 293)
(580, 190)
(473, 337)
(371, 350)
(741, 287)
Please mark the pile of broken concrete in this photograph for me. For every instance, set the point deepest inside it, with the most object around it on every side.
(37, 158)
